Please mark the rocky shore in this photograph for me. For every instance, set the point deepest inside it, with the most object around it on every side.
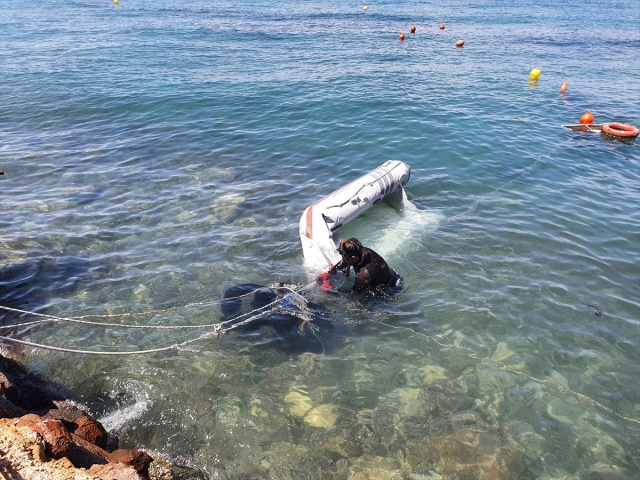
(44, 436)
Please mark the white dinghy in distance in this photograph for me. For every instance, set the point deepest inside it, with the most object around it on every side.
(321, 219)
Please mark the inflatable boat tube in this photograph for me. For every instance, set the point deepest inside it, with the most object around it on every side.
(321, 219)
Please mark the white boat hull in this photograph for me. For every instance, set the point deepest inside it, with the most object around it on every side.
(321, 219)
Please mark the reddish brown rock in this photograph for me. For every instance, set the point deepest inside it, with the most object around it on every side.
(137, 459)
(85, 454)
(78, 421)
(92, 431)
(115, 471)
(65, 432)
(59, 442)
(28, 420)
(67, 412)
(57, 439)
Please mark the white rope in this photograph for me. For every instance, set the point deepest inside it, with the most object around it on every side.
(79, 319)
(523, 172)
(176, 346)
(218, 328)
(52, 318)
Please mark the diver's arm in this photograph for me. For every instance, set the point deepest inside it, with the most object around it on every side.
(362, 281)
(342, 266)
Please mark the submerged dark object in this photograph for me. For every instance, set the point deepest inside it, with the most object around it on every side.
(280, 317)
(33, 283)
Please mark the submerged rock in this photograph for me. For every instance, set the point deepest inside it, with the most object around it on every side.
(323, 416)
(431, 373)
(377, 468)
(299, 404)
(467, 457)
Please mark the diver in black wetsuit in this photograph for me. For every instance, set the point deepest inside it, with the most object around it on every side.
(302, 325)
(372, 272)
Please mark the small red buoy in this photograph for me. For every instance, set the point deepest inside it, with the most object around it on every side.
(413, 29)
(563, 88)
(442, 26)
(460, 43)
(401, 37)
(587, 118)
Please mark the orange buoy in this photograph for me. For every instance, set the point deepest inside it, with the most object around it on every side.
(587, 118)
(401, 37)
(413, 29)
(623, 130)
(442, 26)
(563, 88)
(460, 43)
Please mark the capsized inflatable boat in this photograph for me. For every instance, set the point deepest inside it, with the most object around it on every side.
(321, 219)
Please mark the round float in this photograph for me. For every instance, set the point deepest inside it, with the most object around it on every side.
(534, 74)
(622, 130)
(587, 118)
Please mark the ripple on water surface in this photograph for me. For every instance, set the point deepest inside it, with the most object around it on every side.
(156, 155)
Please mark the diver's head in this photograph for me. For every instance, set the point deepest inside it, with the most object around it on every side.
(351, 250)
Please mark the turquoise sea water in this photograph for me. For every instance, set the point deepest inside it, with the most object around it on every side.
(158, 153)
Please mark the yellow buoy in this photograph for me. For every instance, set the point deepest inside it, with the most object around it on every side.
(535, 73)
(116, 2)
(366, 8)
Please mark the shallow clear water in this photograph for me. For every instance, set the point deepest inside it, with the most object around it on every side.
(158, 153)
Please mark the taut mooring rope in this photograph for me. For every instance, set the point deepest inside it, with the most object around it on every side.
(217, 328)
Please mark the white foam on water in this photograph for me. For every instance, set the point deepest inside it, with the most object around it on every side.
(123, 416)
(393, 232)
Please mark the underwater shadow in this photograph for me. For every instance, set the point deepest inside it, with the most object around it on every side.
(31, 284)
(28, 390)
(276, 317)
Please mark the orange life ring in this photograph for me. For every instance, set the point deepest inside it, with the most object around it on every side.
(623, 130)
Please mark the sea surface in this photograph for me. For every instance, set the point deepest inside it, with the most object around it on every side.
(158, 153)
